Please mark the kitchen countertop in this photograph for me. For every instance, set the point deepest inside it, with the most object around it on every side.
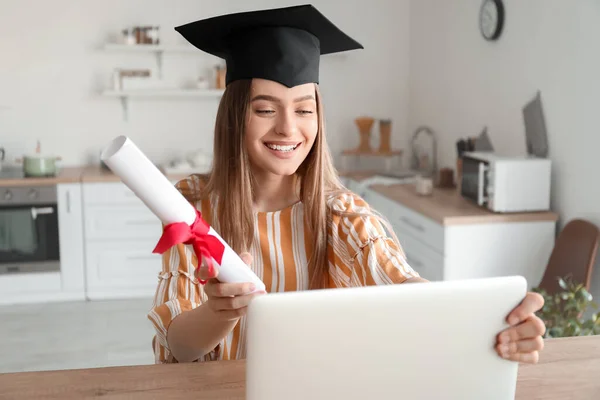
(66, 175)
(87, 174)
(568, 369)
(448, 207)
(444, 206)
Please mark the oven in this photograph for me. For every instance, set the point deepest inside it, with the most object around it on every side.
(29, 229)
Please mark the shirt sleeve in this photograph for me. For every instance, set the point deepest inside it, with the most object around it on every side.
(369, 256)
(178, 291)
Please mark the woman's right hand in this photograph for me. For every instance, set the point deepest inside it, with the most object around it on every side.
(229, 301)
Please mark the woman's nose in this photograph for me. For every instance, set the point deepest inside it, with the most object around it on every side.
(286, 124)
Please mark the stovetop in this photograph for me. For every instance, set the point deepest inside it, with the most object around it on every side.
(12, 173)
(16, 173)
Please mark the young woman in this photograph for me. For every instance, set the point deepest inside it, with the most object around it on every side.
(274, 196)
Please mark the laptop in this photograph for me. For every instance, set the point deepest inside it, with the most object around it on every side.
(412, 341)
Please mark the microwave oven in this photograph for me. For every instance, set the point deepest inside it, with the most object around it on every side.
(506, 184)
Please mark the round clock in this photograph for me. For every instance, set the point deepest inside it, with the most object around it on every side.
(491, 19)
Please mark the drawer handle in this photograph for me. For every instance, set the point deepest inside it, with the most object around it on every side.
(413, 224)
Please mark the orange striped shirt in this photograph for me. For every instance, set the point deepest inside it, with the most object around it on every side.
(360, 254)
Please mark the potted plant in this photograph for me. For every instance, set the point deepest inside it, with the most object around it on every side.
(564, 313)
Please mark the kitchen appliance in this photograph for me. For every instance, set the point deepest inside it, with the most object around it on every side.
(506, 184)
(28, 229)
(512, 184)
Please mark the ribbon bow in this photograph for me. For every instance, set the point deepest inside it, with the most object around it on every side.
(205, 246)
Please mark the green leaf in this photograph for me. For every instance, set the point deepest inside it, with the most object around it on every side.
(562, 283)
(585, 294)
(555, 332)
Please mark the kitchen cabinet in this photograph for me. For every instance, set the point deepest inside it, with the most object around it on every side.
(120, 234)
(459, 240)
(70, 228)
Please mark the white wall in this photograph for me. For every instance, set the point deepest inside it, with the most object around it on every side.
(460, 83)
(52, 70)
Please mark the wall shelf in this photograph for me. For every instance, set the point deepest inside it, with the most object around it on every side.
(149, 48)
(157, 49)
(125, 95)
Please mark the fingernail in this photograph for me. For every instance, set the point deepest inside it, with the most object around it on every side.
(252, 287)
(513, 320)
(504, 338)
(504, 349)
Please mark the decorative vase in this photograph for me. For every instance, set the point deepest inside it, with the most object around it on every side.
(364, 127)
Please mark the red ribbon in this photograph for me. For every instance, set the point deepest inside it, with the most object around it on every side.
(205, 246)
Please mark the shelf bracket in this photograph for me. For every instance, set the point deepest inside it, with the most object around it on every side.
(125, 107)
(159, 63)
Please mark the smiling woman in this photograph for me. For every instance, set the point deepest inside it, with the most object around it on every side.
(273, 193)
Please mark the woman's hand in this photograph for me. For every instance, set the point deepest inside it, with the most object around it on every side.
(229, 301)
(523, 340)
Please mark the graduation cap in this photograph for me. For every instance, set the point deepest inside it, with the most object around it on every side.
(281, 44)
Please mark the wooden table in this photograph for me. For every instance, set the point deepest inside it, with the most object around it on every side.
(569, 369)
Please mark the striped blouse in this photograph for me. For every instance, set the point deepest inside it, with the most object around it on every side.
(360, 254)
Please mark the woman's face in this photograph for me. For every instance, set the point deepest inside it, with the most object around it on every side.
(281, 127)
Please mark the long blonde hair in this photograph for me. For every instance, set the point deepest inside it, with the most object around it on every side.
(230, 183)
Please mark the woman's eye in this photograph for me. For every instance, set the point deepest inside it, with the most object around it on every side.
(304, 112)
(265, 112)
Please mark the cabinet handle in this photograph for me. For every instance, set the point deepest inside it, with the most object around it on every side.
(413, 224)
(68, 202)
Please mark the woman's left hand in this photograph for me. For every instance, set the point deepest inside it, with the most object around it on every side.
(523, 340)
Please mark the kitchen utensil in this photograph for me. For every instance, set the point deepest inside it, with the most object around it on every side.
(364, 127)
(483, 142)
(39, 165)
(424, 151)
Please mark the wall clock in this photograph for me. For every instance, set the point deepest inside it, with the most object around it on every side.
(491, 19)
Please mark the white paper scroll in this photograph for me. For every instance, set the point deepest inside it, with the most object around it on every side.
(151, 186)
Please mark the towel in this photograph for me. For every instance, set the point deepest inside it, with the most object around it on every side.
(17, 231)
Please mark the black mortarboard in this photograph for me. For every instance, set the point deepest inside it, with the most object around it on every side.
(282, 44)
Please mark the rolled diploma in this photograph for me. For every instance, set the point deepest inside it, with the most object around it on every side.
(151, 186)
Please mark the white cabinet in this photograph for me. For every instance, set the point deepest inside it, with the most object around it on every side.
(473, 250)
(120, 234)
(70, 228)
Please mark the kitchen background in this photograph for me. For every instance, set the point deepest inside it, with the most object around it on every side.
(54, 69)
(424, 63)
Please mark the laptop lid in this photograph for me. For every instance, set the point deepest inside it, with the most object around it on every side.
(413, 341)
